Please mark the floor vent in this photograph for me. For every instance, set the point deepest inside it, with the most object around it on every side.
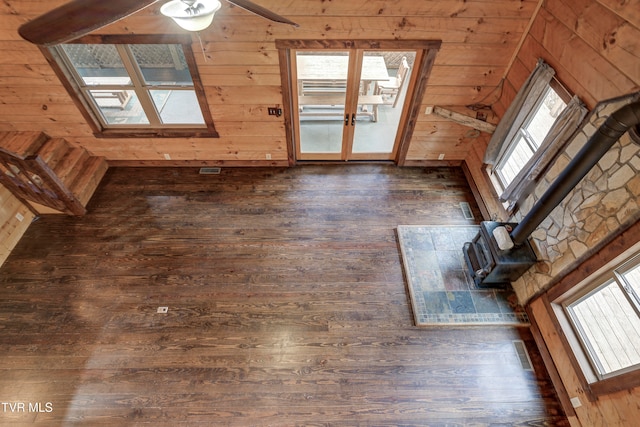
(210, 171)
(523, 356)
(466, 210)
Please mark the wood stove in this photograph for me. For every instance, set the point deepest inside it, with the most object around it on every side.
(489, 265)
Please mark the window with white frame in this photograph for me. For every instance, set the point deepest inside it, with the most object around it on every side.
(529, 136)
(604, 317)
(144, 88)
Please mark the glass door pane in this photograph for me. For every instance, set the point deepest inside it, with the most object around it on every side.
(321, 90)
(384, 80)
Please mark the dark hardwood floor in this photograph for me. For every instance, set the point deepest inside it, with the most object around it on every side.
(287, 306)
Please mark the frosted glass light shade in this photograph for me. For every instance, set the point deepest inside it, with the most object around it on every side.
(196, 19)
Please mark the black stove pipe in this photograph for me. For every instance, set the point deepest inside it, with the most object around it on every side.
(597, 146)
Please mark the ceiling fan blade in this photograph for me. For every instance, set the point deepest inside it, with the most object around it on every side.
(261, 11)
(78, 18)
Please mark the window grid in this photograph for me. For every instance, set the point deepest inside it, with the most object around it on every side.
(519, 154)
(134, 89)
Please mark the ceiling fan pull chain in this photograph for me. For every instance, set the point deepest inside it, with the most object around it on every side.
(202, 47)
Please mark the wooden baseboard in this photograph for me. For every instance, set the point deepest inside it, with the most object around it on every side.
(198, 163)
(432, 163)
(256, 163)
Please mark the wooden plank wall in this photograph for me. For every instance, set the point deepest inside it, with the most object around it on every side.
(14, 221)
(593, 46)
(241, 72)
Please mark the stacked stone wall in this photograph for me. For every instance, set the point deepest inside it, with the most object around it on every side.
(603, 204)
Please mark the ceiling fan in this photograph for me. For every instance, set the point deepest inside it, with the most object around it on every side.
(80, 17)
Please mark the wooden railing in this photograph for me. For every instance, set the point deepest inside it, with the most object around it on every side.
(49, 172)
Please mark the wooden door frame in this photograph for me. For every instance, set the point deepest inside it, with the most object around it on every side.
(426, 53)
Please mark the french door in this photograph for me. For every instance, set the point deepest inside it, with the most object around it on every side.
(348, 104)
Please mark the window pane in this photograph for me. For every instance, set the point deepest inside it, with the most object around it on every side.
(97, 64)
(142, 86)
(536, 128)
(609, 327)
(177, 106)
(545, 116)
(162, 64)
(119, 107)
(515, 161)
(322, 77)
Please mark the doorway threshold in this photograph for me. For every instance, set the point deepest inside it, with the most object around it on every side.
(343, 162)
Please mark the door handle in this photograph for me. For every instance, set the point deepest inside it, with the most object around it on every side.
(353, 119)
(346, 119)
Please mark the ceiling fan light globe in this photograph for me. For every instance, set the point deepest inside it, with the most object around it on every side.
(179, 12)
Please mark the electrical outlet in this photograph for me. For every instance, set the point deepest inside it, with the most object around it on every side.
(575, 402)
(19, 217)
(167, 157)
(441, 156)
(162, 310)
(274, 111)
(268, 156)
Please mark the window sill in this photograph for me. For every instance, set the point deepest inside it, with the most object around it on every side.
(615, 384)
(496, 188)
(593, 387)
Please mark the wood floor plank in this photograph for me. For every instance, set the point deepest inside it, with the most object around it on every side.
(287, 306)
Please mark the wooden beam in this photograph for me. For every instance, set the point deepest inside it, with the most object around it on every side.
(462, 119)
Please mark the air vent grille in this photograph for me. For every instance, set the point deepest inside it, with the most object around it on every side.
(523, 356)
(210, 171)
(466, 210)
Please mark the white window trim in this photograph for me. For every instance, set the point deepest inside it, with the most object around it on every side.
(590, 283)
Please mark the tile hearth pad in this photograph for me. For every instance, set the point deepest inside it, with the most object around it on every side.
(441, 290)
